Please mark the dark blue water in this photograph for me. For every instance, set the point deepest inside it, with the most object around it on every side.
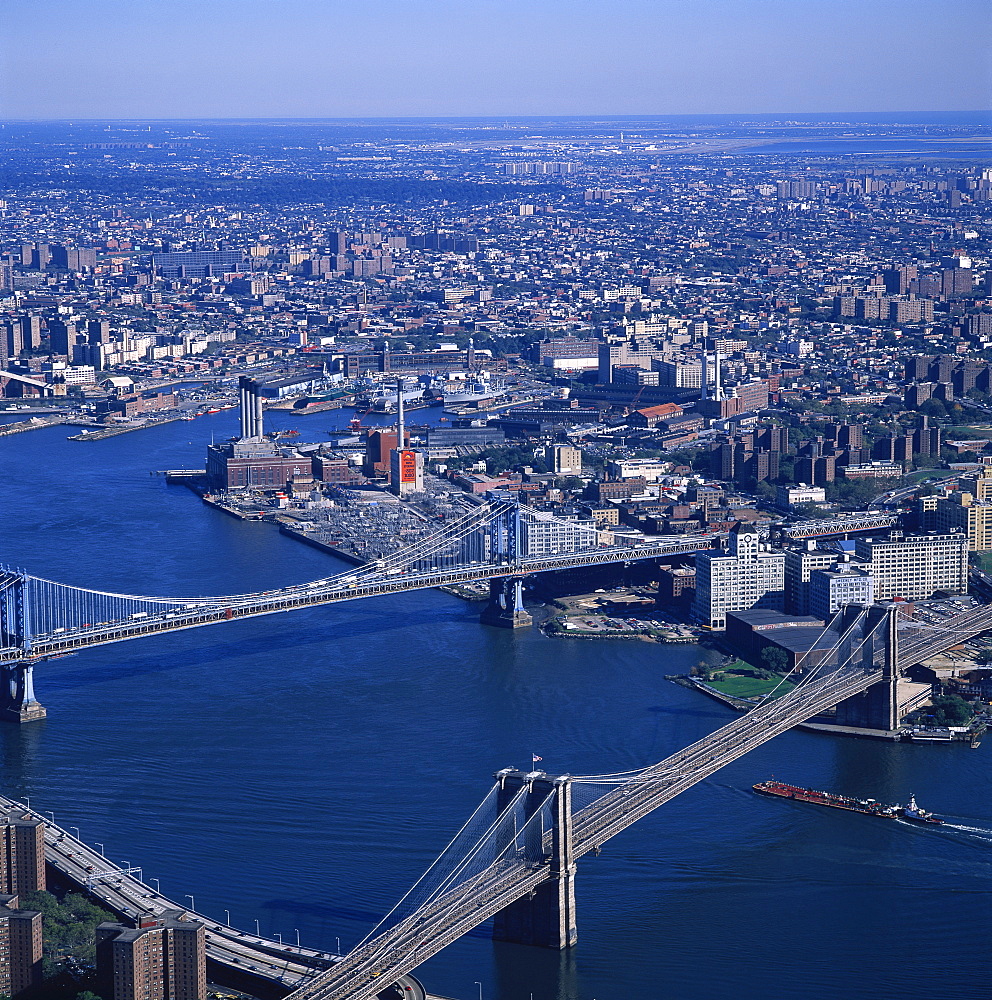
(303, 769)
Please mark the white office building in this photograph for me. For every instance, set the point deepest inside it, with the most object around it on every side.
(548, 535)
(832, 589)
(748, 576)
(679, 374)
(916, 567)
(793, 495)
(801, 562)
(630, 468)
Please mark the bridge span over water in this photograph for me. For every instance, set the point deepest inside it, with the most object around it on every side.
(498, 541)
(502, 542)
(514, 860)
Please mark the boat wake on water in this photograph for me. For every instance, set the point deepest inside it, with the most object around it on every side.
(978, 832)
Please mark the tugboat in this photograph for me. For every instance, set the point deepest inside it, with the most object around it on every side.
(912, 811)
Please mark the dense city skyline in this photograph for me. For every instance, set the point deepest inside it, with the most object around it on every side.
(281, 58)
(411, 345)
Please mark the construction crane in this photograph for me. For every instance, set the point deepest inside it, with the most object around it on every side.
(637, 397)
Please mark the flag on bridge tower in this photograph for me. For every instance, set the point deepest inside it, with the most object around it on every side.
(535, 758)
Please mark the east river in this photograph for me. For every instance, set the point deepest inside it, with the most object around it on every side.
(303, 769)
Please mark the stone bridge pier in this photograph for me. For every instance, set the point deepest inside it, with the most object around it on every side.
(879, 707)
(506, 604)
(546, 916)
(17, 700)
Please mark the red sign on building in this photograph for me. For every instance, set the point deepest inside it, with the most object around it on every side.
(408, 467)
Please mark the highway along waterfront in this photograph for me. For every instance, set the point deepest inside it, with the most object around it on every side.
(303, 769)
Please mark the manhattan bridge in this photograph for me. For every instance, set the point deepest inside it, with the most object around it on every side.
(41, 619)
(514, 860)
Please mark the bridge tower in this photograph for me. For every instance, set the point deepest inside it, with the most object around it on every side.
(546, 916)
(506, 593)
(17, 700)
(878, 707)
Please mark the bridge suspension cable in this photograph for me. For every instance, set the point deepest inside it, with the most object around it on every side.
(621, 776)
(444, 868)
(40, 618)
(659, 783)
(606, 804)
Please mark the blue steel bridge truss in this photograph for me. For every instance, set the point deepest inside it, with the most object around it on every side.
(41, 618)
(531, 828)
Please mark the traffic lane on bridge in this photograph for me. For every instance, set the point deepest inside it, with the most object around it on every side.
(226, 945)
(126, 896)
(405, 988)
(247, 606)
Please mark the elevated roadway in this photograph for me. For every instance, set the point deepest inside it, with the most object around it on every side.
(367, 581)
(41, 618)
(920, 642)
(388, 957)
(451, 914)
(120, 888)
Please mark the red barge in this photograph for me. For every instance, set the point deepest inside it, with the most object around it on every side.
(870, 807)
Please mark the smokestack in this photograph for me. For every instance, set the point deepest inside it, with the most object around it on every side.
(399, 407)
(257, 428)
(717, 391)
(706, 358)
(250, 407)
(244, 411)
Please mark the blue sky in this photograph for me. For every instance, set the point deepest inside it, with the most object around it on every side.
(328, 58)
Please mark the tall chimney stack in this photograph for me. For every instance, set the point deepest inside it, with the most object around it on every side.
(244, 407)
(250, 403)
(400, 443)
(257, 427)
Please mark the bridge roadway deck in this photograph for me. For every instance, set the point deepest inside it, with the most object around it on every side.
(923, 641)
(389, 957)
(210, 611)
(127, 896)
(287, 966)
(423, 934)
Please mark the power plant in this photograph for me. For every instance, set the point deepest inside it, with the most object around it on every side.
(250, 400)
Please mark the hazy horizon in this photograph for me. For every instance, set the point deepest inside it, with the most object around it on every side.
(169, 60)
(981, 116)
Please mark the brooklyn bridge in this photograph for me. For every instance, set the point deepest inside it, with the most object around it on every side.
(515, 859)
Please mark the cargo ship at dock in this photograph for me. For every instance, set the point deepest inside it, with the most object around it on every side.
(870, 807)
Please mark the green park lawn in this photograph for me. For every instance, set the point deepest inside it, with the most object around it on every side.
(741, 683)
